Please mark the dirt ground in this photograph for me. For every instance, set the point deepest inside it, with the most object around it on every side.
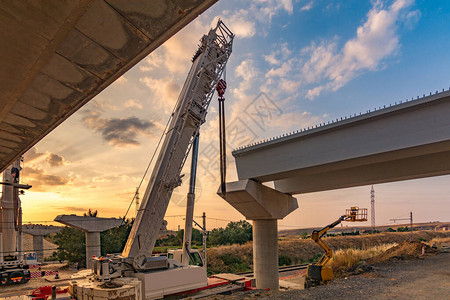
(64, 274)
(415, 278)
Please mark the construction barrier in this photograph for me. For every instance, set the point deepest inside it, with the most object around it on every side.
(38, 274)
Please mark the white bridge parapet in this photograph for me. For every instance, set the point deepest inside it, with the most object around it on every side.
(406, 141)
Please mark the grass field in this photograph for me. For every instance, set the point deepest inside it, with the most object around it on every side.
(294, 250)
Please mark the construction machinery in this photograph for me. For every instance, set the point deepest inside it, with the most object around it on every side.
(319, 273)
(136, 274)
(14, 263)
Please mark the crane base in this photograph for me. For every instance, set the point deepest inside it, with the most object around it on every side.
(118, 289)
(141, 286)
(157, 284)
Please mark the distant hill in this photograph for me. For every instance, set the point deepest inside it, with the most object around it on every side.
(339, 229)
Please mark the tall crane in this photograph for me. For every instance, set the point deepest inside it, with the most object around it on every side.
(160, 275)
(208, 65)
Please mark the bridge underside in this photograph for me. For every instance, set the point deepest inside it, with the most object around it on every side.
(407, 141)
(57, 55)
(412, 163)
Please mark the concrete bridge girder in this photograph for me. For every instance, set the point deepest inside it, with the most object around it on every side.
(407, 141)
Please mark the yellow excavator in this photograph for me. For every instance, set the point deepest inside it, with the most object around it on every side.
(319, 273)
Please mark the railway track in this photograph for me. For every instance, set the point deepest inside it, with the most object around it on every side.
(281, 270)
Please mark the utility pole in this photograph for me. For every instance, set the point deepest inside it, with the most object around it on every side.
(204, 237)
(410, 223)
(204, 234)
(372, 207)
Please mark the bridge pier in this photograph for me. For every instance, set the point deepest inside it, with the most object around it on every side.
(38, 232)
(92, 226)
(264, 206)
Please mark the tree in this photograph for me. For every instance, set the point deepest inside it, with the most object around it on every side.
(71, 246)
(403, 229)
(235, 233)
(91, 213)
(114, 239)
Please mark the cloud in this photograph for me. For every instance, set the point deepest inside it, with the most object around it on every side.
(70, 209)
(132, 103)
(101, 179)
(313, 93)
(412, 18)
(32, 154)
(165, 91)
(35, 157)
(248, 72)
(152, 61)
(241, 23)
(55, 160)
(40, 178)
(307, 7)
(324, 66)
(265, 10)
(121, 80)
(118, 131)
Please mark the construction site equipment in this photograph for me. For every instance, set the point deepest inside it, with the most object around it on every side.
(319, 273)
(160, 276)
(14, 263)
(48, 292)
(190, 205)
(221, 87)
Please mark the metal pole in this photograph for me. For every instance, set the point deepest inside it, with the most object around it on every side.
(190, 205)
(372, 207)
(411, 225)
(204, 239)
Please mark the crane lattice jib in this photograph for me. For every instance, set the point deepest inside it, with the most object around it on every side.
(190, 111)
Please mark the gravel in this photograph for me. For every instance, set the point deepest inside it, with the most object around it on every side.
(425, 278)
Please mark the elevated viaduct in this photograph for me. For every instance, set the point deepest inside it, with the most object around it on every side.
(405, 141)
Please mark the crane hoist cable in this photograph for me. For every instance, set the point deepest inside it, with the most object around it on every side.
(221, 87)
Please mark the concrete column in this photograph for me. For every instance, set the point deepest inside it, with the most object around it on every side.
(38, 247)
(265, 253)
(92, 247)
(264, 206)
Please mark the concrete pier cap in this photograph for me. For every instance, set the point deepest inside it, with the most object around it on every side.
(92, 226)
(264, 206)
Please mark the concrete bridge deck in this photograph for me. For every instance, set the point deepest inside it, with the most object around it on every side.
(406, 141)
(57, 55)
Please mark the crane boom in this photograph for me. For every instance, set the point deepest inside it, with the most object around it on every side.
(190, 111)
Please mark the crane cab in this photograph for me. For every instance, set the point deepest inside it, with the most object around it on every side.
(195, 257)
